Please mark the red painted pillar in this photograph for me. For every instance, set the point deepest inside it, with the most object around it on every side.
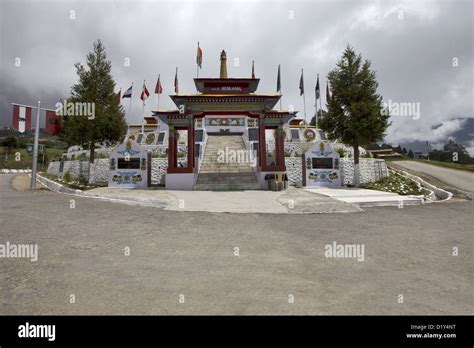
(262, 153)
(191, 148)
(172, 150)
(280, 146)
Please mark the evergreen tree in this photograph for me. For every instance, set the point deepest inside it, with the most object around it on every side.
(404, 151)
(321, 113)
(355, 111)
(10, 143)
(95, 87)
(454, 148)
(410, 154)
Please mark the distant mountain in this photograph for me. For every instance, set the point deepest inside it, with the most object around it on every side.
(462, 136)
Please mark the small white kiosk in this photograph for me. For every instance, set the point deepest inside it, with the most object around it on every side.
(321, 166)
(129, 166)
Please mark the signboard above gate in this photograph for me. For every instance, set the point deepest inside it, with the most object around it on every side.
(226, 88)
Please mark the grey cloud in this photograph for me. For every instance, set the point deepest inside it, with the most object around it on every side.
(412, 56)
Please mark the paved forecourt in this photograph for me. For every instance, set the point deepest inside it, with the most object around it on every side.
(81, 252)
(458, 178)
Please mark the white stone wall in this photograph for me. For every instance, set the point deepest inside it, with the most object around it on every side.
(370, 170)
(81, 168)
(53, 168)
(101, 170)
(294, 171)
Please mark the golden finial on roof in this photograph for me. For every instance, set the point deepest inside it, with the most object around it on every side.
(223, 73)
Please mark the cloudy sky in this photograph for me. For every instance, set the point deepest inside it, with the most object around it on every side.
(422, 50)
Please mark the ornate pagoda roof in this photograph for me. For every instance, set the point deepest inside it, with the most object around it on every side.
(225, 94)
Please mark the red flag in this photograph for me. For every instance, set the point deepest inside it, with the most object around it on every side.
(176, 89)
(21, 118)
(158, 88)
(52, 126)
(145, 94)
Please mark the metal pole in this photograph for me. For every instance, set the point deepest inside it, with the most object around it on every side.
(130, 109)
(316, 111)
(304, 104)
(143, 109)
(42, 163)
(143, 118)
(320, 105)
(35, 150)
(197, 64)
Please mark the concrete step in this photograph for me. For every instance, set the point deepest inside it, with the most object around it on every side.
(214, 175)
(216, 187)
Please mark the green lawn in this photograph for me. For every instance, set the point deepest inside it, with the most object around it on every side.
(396, 183)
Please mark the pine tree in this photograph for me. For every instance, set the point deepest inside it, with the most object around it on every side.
(410, 154)
(95, 87)
(321, 113)
(355, 111)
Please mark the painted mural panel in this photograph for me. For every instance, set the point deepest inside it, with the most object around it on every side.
(128, 166)
(322, 166)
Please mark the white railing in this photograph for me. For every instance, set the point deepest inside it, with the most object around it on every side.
(248, 146)
(202, 148)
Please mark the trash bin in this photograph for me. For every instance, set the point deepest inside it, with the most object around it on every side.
(278, 183)
(269, 178)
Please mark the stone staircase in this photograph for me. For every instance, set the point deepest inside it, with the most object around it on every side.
(214, 175)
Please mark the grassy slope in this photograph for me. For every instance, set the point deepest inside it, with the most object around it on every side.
(26, 160)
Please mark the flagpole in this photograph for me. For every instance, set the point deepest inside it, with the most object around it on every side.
(130, 110)
(304, 99)
(316, 109)
(176, 87)
(320, 105)
(35, 149)
(279, 79)
(197, 64)
(159, 86)
(143, 109)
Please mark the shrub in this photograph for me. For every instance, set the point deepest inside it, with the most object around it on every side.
(82, 180)
(341, 151)
(67, 176)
